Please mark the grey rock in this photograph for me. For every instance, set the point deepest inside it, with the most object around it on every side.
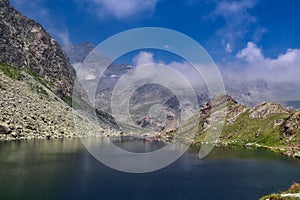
(4, 128)
(264, 110)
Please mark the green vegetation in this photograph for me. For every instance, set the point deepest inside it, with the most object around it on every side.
(16, 74)
(39, 90)
(11, 72)
(35, 76)
(273, 197)
(105, 117)
(68, 100)
(295, 188)
(260, 131)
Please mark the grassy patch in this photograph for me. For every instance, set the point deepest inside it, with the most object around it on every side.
(68, 100)
(295, 188)
(39, 90)
(248, 130)
(261, 131)
(35, 76)
(11, 72)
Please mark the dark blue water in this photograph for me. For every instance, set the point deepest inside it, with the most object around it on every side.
(63, 169)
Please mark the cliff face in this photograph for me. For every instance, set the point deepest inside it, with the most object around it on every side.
(24, 43)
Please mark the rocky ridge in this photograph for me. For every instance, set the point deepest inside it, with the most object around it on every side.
(268, 125)
(265, 110)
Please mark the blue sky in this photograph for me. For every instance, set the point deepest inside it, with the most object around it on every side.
(253, 39)
(272, 25)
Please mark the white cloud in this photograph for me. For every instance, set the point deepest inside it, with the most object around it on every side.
(124, 8)
(90, 77)
(183, 68)
(228, 48)
(229, 9)
(84, 72)
(143, 58)
(251, 53)
(253, 66)
(254, 77)
(64, 37)
(191, 74)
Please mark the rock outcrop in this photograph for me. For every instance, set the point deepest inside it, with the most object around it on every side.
(264, 110)
(233, 109)
(24, 43)
(291, 126)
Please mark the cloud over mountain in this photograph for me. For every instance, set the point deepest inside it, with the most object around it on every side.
(284, 68)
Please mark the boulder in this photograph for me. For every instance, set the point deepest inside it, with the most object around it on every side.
(4, 128)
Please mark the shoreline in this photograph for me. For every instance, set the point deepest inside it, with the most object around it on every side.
(286, 151)
(290, 152)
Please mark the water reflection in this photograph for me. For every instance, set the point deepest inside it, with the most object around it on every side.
(104, 150)
(63, 169)
(138, 145)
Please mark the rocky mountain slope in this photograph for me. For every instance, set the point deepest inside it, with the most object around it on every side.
(28, 110)
(25, 44)
(36, 82)
(268, 125)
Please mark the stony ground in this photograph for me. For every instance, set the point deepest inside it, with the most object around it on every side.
(29, 110)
